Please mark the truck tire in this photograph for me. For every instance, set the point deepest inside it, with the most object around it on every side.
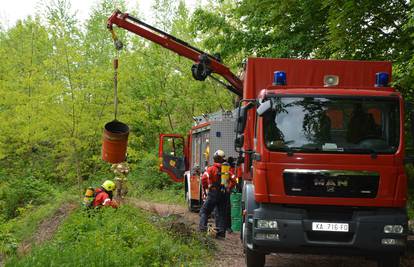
(254, 258)
(389, 261)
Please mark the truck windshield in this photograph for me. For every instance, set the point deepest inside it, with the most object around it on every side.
(333, 124)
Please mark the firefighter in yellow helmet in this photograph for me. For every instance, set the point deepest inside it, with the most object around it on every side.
(104, 194)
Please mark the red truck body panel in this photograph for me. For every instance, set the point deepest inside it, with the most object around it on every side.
(310, 73)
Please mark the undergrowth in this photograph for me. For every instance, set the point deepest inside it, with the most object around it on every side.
(122, 237)
(15, 230)
(173, 194)
(410, 204)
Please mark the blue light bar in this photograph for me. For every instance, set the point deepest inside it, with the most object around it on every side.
(279, 78)
(381, 79)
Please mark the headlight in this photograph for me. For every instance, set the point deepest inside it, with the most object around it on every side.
(398, 229)
(266, 224)
(393, 229)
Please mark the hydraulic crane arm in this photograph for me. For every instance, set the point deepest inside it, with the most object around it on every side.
(204, 65)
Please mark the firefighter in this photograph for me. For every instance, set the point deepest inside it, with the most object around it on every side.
(211, 182)
(104, 194)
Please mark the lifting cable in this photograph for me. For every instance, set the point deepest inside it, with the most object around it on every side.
(118, 46)
(116, 84)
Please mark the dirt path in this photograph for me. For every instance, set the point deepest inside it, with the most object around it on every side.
(46, 229)
(229, 252)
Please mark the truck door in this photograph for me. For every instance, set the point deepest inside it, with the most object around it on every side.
(171, 155)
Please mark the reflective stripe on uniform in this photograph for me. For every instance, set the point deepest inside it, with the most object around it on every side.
(106, 201)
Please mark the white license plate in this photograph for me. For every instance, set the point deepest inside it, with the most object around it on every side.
(330, 227)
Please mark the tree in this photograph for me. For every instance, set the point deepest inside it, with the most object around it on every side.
(306, 29)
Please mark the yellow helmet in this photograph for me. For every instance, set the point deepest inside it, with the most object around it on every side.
(108, 185)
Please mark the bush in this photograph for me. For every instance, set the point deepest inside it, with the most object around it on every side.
(8, 243)
(148, 174)
(410, 174)
(20, 194)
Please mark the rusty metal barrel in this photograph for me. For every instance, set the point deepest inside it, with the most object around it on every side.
(115, 141)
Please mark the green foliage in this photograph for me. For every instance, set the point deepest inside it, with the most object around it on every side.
(148, 175)
(57, 92)
(8, 243)
(123, 237)
(410, 173)
(20, 195)
(14, 231)
(172, 194)
(316, 29)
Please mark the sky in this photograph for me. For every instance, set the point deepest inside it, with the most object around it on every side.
(13, 10)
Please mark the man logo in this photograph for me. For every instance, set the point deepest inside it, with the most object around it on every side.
(331, 184)
(342, 182)
(319, 182)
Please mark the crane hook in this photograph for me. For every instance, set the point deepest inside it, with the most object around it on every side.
(118, 44)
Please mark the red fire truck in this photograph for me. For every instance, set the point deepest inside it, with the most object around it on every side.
(322, 149)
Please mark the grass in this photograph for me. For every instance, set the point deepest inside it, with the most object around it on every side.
(23, 227)
(410, 208)
(410, 202)
(170, 195)
(123, 237)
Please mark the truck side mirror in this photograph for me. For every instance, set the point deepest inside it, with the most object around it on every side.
(239, 141)
(241, 123)
(264, 107)
(242, 118)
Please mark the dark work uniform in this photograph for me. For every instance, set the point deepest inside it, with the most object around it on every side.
(215, 199)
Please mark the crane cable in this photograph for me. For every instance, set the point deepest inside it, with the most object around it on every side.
(116, 62)
(118, 46)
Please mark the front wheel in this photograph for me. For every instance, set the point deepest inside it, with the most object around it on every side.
(389, 261)
(254, 258)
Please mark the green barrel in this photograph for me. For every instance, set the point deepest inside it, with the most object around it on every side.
(236, 212)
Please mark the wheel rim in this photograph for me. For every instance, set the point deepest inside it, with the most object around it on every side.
(244, 234)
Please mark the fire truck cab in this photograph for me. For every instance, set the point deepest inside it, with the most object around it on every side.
(324, 159)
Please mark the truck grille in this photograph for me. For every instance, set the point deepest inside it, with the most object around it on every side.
(331, 183)
(330, 237)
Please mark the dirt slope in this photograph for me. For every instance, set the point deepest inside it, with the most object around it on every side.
(46, 229)
(229, 252)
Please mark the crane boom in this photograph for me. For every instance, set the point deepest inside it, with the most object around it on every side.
(204, 65)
